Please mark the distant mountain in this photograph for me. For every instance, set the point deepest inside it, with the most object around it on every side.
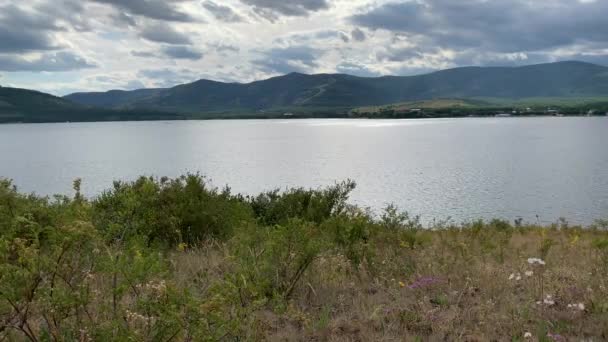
(22, 105)
(111, 98)
(562, 79)
(324, 95)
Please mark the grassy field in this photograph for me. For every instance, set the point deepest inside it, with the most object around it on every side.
(484, 106)
(177, 260)
(426, 104)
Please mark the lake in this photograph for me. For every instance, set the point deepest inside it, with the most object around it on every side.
(438, 168)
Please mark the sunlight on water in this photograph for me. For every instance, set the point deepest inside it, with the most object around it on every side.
(438, 168)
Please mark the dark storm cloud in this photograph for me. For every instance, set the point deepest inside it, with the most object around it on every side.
(163, 33)
(221, 12)
(153, 9)
(60, 61)
(290, 59)
(181, 52)
(273, 9)
(501, 26)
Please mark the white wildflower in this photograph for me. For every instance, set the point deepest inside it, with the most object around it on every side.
(536, 261)
(516, 276)
(549, 301)
(579, 306)
(528, 335)
(529, 273)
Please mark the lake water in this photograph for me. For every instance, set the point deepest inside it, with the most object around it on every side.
(438, 168)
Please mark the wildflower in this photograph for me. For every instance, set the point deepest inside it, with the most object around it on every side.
(549, 301)
(182, 247)
(529, 273)
(536, 261)
(516, 276)
(528, 335)
(424, 282)
(579, 306)
(402, 284)
(555, 337)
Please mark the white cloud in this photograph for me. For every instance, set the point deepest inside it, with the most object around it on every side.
(233, 40)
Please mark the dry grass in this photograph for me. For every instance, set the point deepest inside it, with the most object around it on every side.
(465, 294)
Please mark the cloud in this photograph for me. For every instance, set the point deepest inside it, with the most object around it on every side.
(15, 40)
(166, 78)
(356, 69)
(163, 33)
(290, 59)
(69, 12)
(222, 13)
(154, 9)
(272, 9)
(134, 84)
(358, 35)
(309, 38)
(22, 31)
(182, 52)
(60, 61)
(116, 81)
(499, 26)
(144, 54)
(123, 19)
(345, 38)
(223, 48)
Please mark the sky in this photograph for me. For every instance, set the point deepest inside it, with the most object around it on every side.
(64, 46)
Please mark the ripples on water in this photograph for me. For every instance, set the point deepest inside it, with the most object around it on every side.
(460, 168)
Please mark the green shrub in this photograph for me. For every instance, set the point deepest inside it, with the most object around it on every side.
(169, 211)
(351, 234)
(274, 207)
(271, 261)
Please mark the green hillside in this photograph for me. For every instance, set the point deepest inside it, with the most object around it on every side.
(22, 105)
(508, 84)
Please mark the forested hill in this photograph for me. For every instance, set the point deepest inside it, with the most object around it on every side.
(22, 105)
(334, 95)
(563, 79)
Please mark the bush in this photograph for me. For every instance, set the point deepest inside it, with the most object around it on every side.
(183, 210)
(272, 208)
(271, 261)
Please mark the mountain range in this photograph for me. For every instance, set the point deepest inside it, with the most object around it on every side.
(300, 92)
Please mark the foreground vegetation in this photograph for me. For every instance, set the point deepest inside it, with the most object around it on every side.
(177, 260)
